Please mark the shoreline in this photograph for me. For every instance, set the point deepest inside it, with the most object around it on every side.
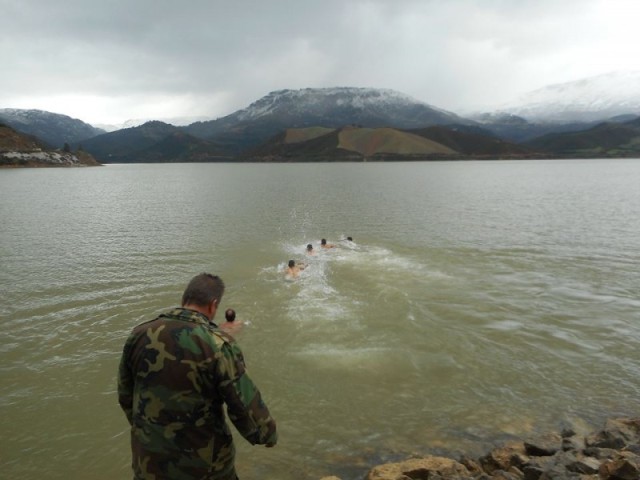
(610, 453)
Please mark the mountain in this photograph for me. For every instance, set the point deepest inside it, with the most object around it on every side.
(606, 139)
(20, 150)
(517, 129)
(592, 99)
(325, 107)
(136, 122)
(361, 143)
(153, 142)
(53, 128)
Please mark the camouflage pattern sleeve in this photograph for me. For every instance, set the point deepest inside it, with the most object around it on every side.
(125, 386)
(245, 406)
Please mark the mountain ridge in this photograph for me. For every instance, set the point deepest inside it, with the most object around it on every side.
(590, 99)
(243, 132)
(55, 129)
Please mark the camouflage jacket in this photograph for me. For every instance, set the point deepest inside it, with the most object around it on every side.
(175, 373)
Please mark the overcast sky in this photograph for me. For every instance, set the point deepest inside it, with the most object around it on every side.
(107, 61)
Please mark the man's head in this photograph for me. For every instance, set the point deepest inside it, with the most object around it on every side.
(292, 263)
(350, 239)
(204, 293)
(309, 247)
(230, 314)
(323, 241)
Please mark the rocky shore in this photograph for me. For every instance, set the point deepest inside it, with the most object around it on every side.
(612, 453)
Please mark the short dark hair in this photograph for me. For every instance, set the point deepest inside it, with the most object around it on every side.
(202, 290)
(292, 263)
(323, 241)
(350, 239)
(230, 314)
(309, 247)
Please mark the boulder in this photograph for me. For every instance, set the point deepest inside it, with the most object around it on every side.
(616, 434)
(428, 468)
(544, 445)
(626, 466)
(503, 458)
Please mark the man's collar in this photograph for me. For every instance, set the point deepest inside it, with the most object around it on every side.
(188, 315)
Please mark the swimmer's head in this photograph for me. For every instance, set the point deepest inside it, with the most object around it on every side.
(323, 241)
(292, 263)
(230, 314)
(309, 247)
(350, 239)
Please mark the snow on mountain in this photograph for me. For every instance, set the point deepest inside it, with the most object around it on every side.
(326, 99)
(54, 128)
(586, 100)
(320, 107)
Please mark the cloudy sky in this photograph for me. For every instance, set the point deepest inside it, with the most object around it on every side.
(107, 61)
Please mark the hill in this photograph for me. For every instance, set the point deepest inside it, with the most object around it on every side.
(355, 143)
(323, 107)
(53, 128)
(21, 150)
(606, 139)
(153, 142)
(474, 143)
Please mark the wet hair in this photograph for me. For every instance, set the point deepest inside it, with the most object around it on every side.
(350, 239)
(202, 290)
(292, 263)
(323, 241)
(230, 314)
(309, 247)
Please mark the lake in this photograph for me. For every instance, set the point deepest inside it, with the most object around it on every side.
(479, 301)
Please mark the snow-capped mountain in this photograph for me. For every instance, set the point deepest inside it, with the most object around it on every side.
(586, 100)
(321, 107)
(326, 101)
(53, 128)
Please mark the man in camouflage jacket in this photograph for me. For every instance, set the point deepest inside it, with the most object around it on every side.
(175, 373)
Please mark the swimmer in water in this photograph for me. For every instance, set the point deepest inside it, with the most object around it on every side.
(324, 244)
(310, 250)
(293, 269)
(231, 325)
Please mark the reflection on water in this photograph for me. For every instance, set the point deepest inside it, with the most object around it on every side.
(480, 300)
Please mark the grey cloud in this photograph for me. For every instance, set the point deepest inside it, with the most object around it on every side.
(449, 53)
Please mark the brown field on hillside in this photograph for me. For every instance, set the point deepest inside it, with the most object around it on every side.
(371, 141)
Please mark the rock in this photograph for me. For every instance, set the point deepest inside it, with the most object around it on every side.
(545, 445)
(573, 443)
(600, 453)
(617, 434)
(472, 465)
(421, 469)
(610, 454)
(502, 458)
(567, 432)
(626, 466)
(532, 472)
(502, 475)
(584, 465)
(633, 448)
